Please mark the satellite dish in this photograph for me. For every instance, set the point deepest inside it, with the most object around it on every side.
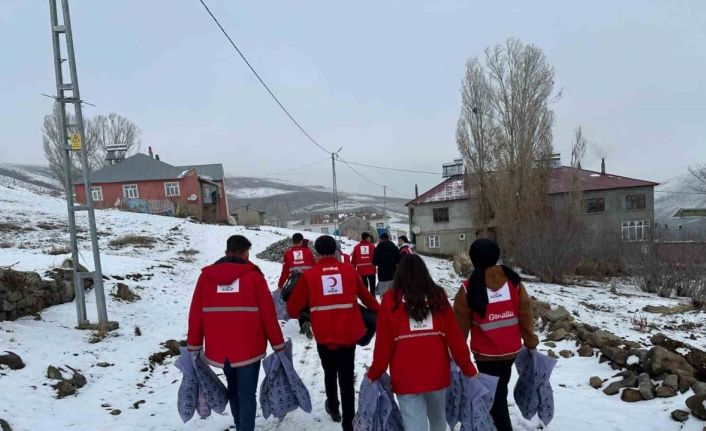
(192, 197)
(416, 229)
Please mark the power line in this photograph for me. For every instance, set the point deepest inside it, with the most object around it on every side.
(387, 168)
(359, 174)
(680, 193)
(368, 179)
(295, 169)
(252, 69)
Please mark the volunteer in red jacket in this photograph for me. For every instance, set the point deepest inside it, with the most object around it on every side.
(494, 305)
(331, 290)
(406, 247)
(362, 259)
(298, 258)
(232, 311)
(416, 329)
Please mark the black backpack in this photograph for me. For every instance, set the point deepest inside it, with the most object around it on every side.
(370, 322)
(289, 285)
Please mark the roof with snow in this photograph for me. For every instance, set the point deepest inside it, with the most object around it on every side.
(453, 188)
(141, 167)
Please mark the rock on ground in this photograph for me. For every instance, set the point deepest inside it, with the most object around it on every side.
(630, 395)
(646, 386)
(661, 360)
(696, 404)
(699, 388)
(680, 415)
(666, 392)
(595, 382)
(585, 351)
(12, 361)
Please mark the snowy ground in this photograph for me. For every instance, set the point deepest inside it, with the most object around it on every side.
(28, 403)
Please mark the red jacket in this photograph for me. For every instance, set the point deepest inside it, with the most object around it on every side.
(498, 334)
(331, 290)
(298, 257)
(232, 310)
(417, 352)
(362, 258)
(406, 249)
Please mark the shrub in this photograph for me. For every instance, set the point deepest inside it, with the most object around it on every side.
(133, 240)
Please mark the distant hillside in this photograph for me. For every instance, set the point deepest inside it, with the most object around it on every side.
(38, 178)
(302, 200)
(677, 193)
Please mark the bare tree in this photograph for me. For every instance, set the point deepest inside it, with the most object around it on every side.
(54, 147)
(699, 173)
(475, 143)
(114, 129)
(578, 150)
(504, 133)
(99, 132)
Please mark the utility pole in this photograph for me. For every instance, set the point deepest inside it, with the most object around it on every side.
(67, 94)
(384, 208)
(335, 192)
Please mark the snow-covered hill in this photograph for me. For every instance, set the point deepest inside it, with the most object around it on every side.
(676, 193)
(28, 403)
(303, 200)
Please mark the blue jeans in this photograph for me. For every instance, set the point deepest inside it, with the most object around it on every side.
(242, 384)
(423, 412)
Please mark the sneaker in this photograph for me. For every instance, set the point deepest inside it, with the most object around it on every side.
(335, 415)
(306, 330)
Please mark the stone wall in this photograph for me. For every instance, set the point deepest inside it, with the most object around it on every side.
(26, 293)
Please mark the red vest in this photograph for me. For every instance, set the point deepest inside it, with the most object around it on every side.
(498, 333)
(333, 303)
(362, 258)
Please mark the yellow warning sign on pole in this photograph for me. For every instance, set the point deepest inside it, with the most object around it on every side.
(75, 140)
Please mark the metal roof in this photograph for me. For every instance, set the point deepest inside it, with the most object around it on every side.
(141, 167)
(453, 188)
(560, 180)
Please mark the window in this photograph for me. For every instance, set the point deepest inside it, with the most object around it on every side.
(97, 194)
(636, 230)
(594, 205)
(171, 189)
(441, 215)
(433, 241)
(130, 191)
(324, 230)
(635, 202)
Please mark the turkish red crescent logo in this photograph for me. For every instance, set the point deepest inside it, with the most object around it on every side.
(334, 280)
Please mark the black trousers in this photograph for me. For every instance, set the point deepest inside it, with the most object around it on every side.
(369, 282)
(338, 367)
(502, 370)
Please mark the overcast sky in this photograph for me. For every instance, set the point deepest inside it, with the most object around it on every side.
(380, 79)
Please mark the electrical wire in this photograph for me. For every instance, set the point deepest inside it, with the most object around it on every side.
(387, 168)
(295, 169)
(252, 69)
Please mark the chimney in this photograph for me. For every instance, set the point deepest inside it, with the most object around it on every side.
(416, 191)
(603, 166)
(156, 156)
(150, 152)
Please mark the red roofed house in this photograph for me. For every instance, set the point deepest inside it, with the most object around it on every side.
(143, 183)
(618, 211)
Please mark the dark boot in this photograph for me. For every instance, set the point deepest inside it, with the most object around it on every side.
(334, 413)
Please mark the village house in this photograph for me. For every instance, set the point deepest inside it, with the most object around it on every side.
(143, 183)
(618, 212)
(248, 216)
